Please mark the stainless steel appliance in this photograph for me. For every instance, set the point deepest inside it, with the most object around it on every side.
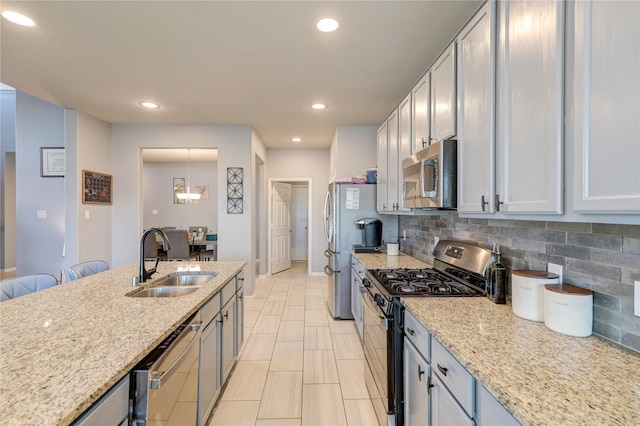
(343, 206)
(430, 177)
(172, 366)
(458, 271)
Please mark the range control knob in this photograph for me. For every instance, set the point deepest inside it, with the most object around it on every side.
(378, 299)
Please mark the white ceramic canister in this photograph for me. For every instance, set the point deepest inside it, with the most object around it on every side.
(527, 292)
(568, 309)
(392, 249)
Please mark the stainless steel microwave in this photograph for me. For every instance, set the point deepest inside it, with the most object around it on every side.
(430, 177)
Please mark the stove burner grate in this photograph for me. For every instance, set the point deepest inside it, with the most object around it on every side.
(426, 282)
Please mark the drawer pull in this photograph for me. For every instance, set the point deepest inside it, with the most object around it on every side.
(443, 370)
(410, 331)
(420, 373)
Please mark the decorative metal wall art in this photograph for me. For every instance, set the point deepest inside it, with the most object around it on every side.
(234, 190)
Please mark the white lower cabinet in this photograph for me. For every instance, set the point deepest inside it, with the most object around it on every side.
(438, 390)
(220, 342)
(209, 384)
(239, 315)
(489, 412)
(416, 387)
(357, 274)
(445, 411)
(227, 336)
(112, 408)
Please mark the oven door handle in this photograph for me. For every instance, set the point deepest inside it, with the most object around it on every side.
(157, 377)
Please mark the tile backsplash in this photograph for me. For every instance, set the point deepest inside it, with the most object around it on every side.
(601, 257)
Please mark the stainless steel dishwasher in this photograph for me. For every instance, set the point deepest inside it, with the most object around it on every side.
(166, 381)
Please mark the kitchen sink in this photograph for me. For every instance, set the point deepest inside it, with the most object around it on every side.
(184, 280)
(166, 291)
(175, 285)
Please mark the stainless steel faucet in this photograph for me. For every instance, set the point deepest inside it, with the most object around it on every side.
(144, 273)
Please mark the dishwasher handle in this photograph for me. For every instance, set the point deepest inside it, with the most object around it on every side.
(158, 377)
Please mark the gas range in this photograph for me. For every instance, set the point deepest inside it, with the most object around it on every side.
(458, 270)
(426, 282)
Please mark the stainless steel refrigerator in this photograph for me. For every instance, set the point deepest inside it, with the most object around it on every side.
(343, 206)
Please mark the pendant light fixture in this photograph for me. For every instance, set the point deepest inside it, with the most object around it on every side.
(188, 196)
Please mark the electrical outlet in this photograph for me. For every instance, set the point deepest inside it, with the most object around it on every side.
(154, 212)
(555, 269)
(636, 299)
(41, 214)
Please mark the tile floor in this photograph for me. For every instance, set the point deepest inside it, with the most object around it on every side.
(298, 366)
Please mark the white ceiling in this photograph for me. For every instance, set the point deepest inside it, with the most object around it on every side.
(258, 63)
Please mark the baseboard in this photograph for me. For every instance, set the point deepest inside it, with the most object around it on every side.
(4, 271)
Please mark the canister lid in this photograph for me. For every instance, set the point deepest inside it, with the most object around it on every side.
(542, 275)
(568, 289)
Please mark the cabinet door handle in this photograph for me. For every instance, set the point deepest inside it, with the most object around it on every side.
(483, 203)
(410, 331)
(423, 142)
(226, 315)
(498, 202)
(442, 369)
(420, 373)
(429, 384)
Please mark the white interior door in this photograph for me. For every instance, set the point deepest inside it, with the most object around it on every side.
(280, 227)
(299, 223)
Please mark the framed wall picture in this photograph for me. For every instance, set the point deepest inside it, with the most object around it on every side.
(97, 188)
(52, 162)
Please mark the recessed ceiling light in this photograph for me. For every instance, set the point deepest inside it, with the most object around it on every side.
(149, 104)
(318, 106)
(327, 25)
(18, 18)
(296, 140)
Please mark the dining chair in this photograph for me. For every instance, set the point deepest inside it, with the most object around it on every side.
(85, 269)
(180, 247)
(16, 287)
(151, 250)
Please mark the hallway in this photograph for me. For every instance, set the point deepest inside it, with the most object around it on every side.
(298, 365)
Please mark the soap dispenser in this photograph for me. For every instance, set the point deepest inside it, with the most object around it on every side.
(497, 273)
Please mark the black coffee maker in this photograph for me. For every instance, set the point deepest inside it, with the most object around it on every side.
(371, 235)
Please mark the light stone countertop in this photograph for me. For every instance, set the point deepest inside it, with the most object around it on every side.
(64, 347)
(541, 377)
(382, 261)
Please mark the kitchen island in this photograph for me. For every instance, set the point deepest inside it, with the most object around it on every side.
(541, 377)
(62, 348)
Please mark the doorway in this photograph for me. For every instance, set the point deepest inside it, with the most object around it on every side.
(297, 246)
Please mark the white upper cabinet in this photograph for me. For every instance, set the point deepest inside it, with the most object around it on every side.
(392, 162)
(605, 102)
(404, 145)
(420, 113)
(476, 113)
(443, 95)
(530, 107)
(381, 189)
